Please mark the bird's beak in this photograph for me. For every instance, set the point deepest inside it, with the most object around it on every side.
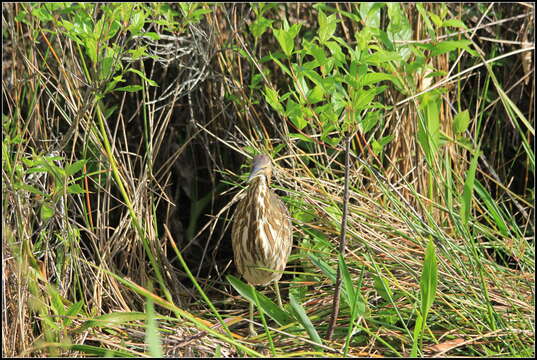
(255, 171)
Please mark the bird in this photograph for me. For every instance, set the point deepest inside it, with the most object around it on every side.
(261, 232)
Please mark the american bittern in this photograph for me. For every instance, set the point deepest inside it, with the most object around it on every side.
(261, 233)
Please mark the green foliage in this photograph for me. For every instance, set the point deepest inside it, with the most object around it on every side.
(304, 320)
(267, 305)
(428, 282)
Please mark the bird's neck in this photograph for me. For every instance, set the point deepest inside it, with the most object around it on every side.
(259, 185)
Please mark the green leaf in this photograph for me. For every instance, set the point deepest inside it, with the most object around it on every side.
(259, 26)
(382, 288)
(73, 311)
(282, 66)
(152, 334)
(142, 75)
(111, 320)
(267, 305)
(429, 278)
(272, 98)
(130, 88)
(100, 352)
(466, 199)
(435, 18)
(429, 126)
(348, 286)
(365, 97)
(492, 209)
(450, 45)
(371, 119)
(415, 337)
(300, 136)
(47, 211)
(29, 188)
(373, 78)
(56, 301)
(285, 40)
(315, 95)
(378, 145)
(460, 122)
(325, 268)
(137, 22)
(75, 167)
(295, 113)
(382, 56)
(304, 320)
(327, 26)
(399, 29)
(454, 23)
(75, 189)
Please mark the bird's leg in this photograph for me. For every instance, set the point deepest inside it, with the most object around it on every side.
(252, 331)
(277, 290)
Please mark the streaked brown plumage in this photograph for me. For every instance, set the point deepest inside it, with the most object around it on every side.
(261, 234)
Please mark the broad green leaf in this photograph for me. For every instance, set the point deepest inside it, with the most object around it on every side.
(75, 189)
(142, 75)
(259, 26)
(373, 78)
(450, 45)
(399, 29)
(300, 136)
(454, 23)
(296, 114)
(378, 145)
(492, 209)
(460, 122)
(429, 126)
(382, 288)
(316, 95)
(137, 22)
(429, 278)
(327, 26)
(348, 286)
(365, 98)
(370, 14)
(304, 320)
(268, 306)
(152, 334)
(271, 96)
(111, 320)
(29, 188)
(382, 56)
(285, 40)
(47, 211)
(325, 268)
(75, 167)
(55, 301)
(416, 336)
(130, 88)
(73, 311)
(466, 197)
(371, 119)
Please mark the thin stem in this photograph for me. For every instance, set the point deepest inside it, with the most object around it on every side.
(277, 290)
(335, 301)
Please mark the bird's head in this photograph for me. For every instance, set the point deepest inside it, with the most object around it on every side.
(261, 166)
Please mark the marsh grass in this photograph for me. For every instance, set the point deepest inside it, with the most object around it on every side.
(127, 130)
